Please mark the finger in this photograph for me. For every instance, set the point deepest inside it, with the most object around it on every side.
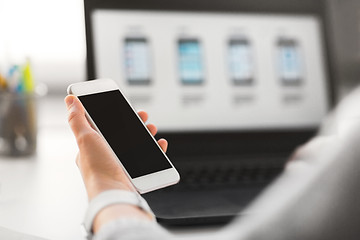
(77, 119)
(143, 115)
(163, 144)
(152, 128)
(309, 150)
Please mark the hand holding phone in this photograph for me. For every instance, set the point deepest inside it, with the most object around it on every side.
(131, 144)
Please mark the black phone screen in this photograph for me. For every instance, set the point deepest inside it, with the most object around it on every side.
(125, 133)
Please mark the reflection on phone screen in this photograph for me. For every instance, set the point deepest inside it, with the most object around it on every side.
(240, 61)
(190, 61)
(137, 61)
(289, 61)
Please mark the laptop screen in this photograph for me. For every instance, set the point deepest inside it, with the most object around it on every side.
(215, 71)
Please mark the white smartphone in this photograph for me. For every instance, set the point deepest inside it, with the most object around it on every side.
(137, 61)
(240, 61)
(291, 73)
(190, 61)
(111, 114)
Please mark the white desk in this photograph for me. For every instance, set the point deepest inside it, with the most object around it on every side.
(44, 195)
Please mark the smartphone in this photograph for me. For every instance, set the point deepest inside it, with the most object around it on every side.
(137, 61)
(190, 61)
(111, 114)
(289, 62)
(240, 61)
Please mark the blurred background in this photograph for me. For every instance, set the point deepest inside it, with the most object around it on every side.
(232, 84)
(52, 34)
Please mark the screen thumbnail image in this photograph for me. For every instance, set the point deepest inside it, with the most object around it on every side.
(289, 62)
(240, 62)
(191, 67)
(137, 61)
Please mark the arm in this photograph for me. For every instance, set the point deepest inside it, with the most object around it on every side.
(313, 199)
(107, 174)
(317, 196)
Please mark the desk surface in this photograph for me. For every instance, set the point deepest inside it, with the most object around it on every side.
(43, 195)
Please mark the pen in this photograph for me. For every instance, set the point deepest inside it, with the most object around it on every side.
(14, 78)
(3, 83)
(27, 78)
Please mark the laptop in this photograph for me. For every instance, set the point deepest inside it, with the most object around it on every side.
(234, 92)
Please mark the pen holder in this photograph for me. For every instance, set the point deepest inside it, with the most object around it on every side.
(18, 124)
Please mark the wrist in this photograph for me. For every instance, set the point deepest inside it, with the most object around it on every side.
(98, 184)
(115, 204)
(117, 211)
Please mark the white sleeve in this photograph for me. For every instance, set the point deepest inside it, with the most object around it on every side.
(132, 229)
(315, 199)
(136, 229)
(318, 200)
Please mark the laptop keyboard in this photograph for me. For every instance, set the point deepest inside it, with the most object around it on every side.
(228, 174)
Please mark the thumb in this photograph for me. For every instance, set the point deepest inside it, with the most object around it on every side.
(76, 118)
